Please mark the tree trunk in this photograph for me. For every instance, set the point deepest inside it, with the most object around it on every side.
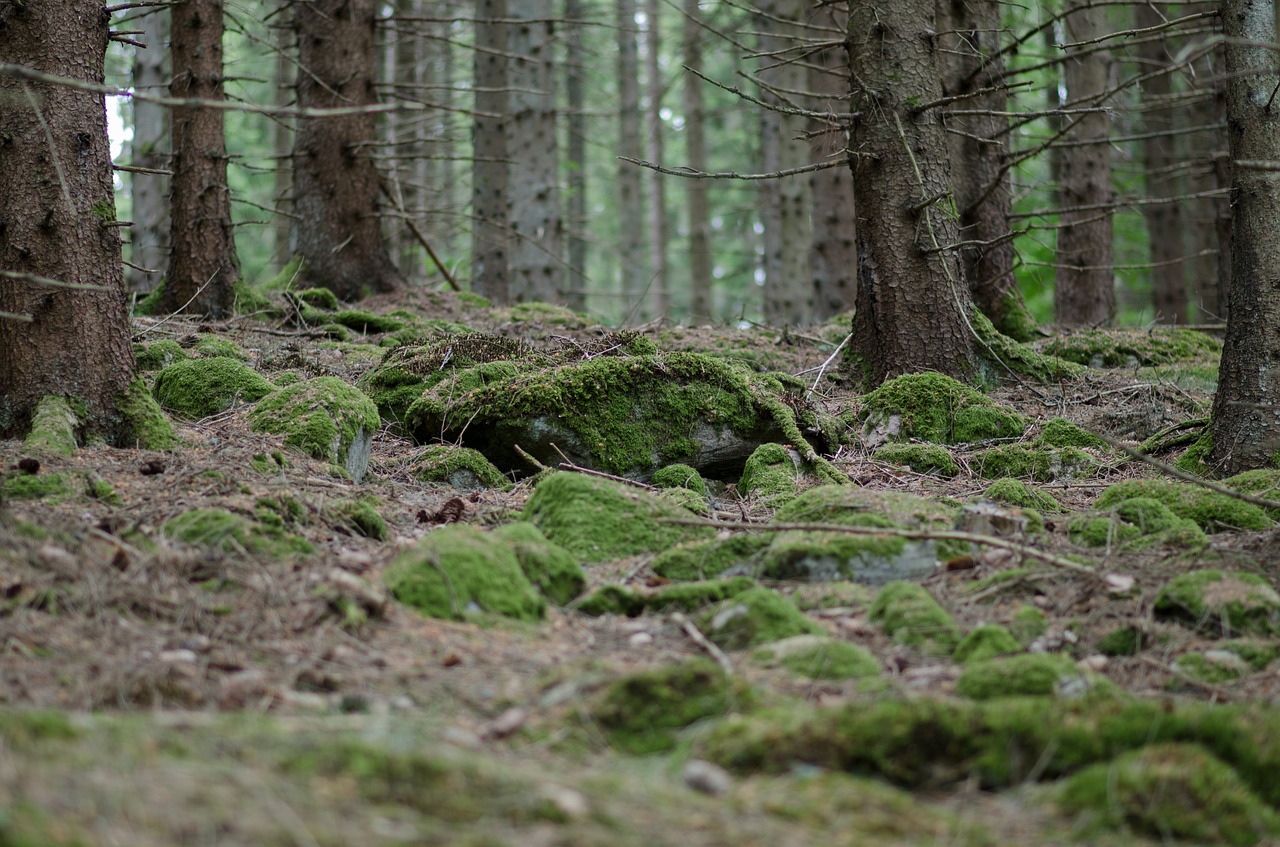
(1208, 219)
(57, 216)
(410, 72)
(335, 182)
(1160, 162)
(635, 271)
(489, 207)
(537, 228)
(701, 303)
(1084, 294)
(202, 262)
(913, 301)
(282, 131)
(149, 148)
(659, 232)
(784, 203)
(1246, 423)
(575, 70)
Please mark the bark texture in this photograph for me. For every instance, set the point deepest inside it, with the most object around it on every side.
(149, 148)
(635, 270)
(833, 262)
(1208, 219)
(202, 260)
(659, 231)
(282, 130)
(490, 256)
(700, 291)
(335, 182)
(56, 207)
(576, 148)
(1246, 408)
(913, 302)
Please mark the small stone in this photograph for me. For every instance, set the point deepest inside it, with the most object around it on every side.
(242, 689)
(640, 639)
(172, 657)
(568, 802)
(506, 723)
(706, 778)
(1096, 663)
(1119, 585)
(368, 596)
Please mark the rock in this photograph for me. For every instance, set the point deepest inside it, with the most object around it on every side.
(753, 617)
(936, 408)
(198, 388)
(1221, 604)
(324, 417)
(985, 642)
(459, 467)
(911, 616)
(641, 713)
(550, 567)
(706, 778)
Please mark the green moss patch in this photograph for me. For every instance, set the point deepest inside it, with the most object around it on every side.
(1014, 492)
(147, 425)
(53, 427)
(549, 567)
(158, 354)
(818, 657)
(772, 475)
(1039, 464)
(1026, 674)
(1220, 603)
(1135, 524)
(753, 617)
(459, 467)
(1214, 512)
(20, 485)
(911, 616)
(458, 571)
(210, 345)
(1123, 348)
(198, 388)
(931, 459)
(937, 408)
(680, 476)
(1060, 432)
(705, 559)
(1003, 353)
(226, 532)
(360, 517)
(985, 642)
(325, 418)
(688, 597)
(1263, 483)
(642, 713)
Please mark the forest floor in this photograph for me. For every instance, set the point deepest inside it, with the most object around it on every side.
(153, 694)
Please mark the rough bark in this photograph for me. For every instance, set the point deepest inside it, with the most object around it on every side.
(1208, 219)
(411, 70)
(1246, 420)
(833, 261)
(282, 129)
(576, 149)
(1084, 293)
(202, 261)
(913, 301)
(57, 208)
(659, 231)
(489, 207)
(335, 182)
(700, 290)
(634, 262)
(149, 148)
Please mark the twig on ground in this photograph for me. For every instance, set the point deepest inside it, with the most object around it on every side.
(696, 636)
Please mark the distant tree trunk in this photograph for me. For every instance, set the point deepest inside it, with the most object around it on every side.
(1165, 227)
(537, 250)
(202, 261)
(701, 303)
(1246, 421)
(411, 72)
(335, 180)
(489, 206)
(57, 210)
(970, 56)
(785, 204)
(575, 69)
(149, 148)
(659, 232)
(635, 271)
(1209, 218)
(833, 261)
(1084, 294)
(282, 131)
(913, 301)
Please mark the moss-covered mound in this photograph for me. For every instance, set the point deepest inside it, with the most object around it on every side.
(818, 657)
(1134, 524)
(1039, 464)
(985, 642)
(1060, 432)
(325, 418)
(1214, 512)
(1014, 492)
(360, 517)
(1122, 348)
(706, 559)
(772, 475)
(598, 520)
(1221, 603)
(158, 354)
(642, 713)
(458, 571)
(937, 408)
(460, 467)
(931, 459)
(198, 388)
(911, 616)
(21, 485)
(226, 532)
(1263, 483)
(550, 567)
(689, 597)
(1025, 674)
(753, 617)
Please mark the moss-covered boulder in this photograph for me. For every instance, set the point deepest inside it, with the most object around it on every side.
(198, 388)
(1168, 791)
(458, 571)
(360, 517)
(1126, 348)
(1214, 512)
(598, 520)
(1221, 604)
(1015, 492)
(227, 532)
(158, 354)
(936, 408)
(53, 427)
(1263, 483)
(772, 475)
(1039, 464)
(753, 617)
(682, 485)
(209, 345)
(325, 418)
(687, 597)
(550, 567)
(21, 485)
(1026, 674)
(819, 657)
(985, 642)
(930, 459)
(705, 559)
(459, 467)
(908, 613)
(1060, 432)
(643, 713)
(1135, 524)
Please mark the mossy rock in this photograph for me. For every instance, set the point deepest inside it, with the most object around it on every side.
(1028, 624)
(325, 418)
(683, 485)
(598, 520)
(1126, 348)
(319, 298)
(929, 459)
(457, 571)
(1263, 483)
(459, 467)
(20, 485)
(706, 559)
(1039, 464)
(611, 599)
(147, 425)
(819, 657)
(226, 532)
(1026, 674)
(937, 408)
(692, 596)
(1127, 640)
(1221, 604)
(909, 614)
(1168, 791)
(53, 427)
(158, 354)
(210, 346)
(642, 713)
(754, 617)
(549, 567)
(1136, 524)
(360, 517)
(198, 388)
(1015, 492)
(985, 642)
(1214, 512)
(365, 322)
(1212, 666)
(1060, 432)
(772, 474)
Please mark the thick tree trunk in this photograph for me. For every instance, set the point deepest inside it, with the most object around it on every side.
(149, 148)
(576, 148)
(833, 262)
(1084, 294)
(202, 261)
(57, 216)
(282, 130)
(659, 231)
(635, 270)
(335, 182)
(1246, 420)
(490, 235)
(701, 303)
(913, 301)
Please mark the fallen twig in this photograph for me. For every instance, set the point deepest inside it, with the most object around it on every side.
(696, 636)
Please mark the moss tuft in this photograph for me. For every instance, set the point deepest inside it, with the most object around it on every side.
(937, 408)
(209, 346)
(1221, 604)
(705, 559)
(642, 713)
(360, 517)
(549, 567)
(158, 354)
(1122, 348)
(931, 459)
(148, 426)
(818, 657)
(24, 486)
(680, 476)
(1214, 512)
(753, 617)
(1060, 432)
(325, 418)
(1040, 464)
(225, 532)
(1026, 674)
(911, 616)
(53, 427)
(985, 642)
(198, 388)
(319, 298)
(1014, 492)
(1135, 524)
(771, 474)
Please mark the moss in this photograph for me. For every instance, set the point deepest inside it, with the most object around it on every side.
(642, 713)
(549, 567)
(336, 332)
(817, 657)
(907, 613)
(1134, 524)
(460, 467)
(1014, 492)
(364, 321)
(932, 459)
(223, 531)
(1060, 432)
(319, 298)
(1212, 667)
(359, 516)
(937, 408)
(24, 486)
(1028, 624)
(150, 304)
(1214, 512)
(985, 642)
(158, 354)
(1125, 640)
(1168, 791)
(704, 559)
(210, 346)
(474, 301)
(323, 417)
(598, 520)
(1015, 320)
(1222, 604)
(247, 299)
(697, 595)
(149, 427)
(1120, 348)
(547, 314)
(1263, 483)
(1026, 674)
(826, 556)
(104, 492)
(457, 571)
(612, 600)
(1039, 464)
(770, 475)
(198, 388)
(269, 464)
(680, 476)
(1195, 459)
(284, 280)
(53, 427)
(753, 617)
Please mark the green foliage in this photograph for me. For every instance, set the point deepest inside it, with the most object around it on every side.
(361, 517)
(680, 476)
(158, 354)
(771, 475)
(816, 657)
(1039, 464)
(19, 485)
(1060, 432)
(1137, 523)
(1116, 348)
